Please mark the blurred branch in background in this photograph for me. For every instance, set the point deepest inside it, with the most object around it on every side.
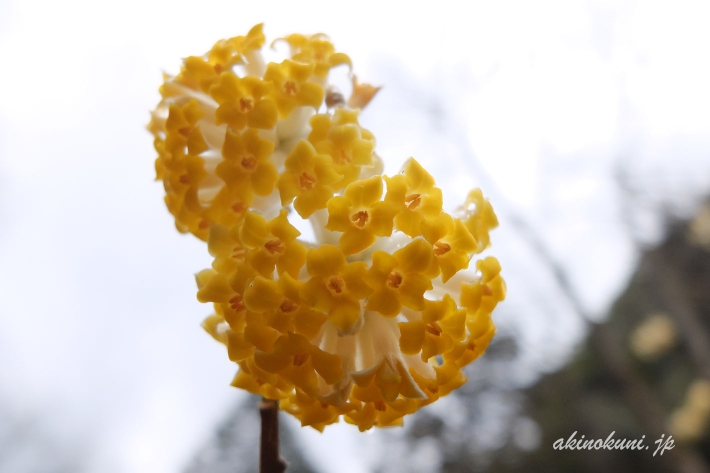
(631, 375)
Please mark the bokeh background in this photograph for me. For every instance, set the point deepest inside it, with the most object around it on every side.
(586, 123)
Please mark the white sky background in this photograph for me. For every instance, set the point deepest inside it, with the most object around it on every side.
(539, 103)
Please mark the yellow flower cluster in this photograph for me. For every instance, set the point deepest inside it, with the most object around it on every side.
(376, 314)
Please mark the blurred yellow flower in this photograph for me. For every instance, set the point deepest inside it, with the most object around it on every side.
(376, 313)
(654, 337)
(316, 50)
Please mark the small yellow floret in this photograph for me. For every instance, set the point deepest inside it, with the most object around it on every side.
(246, 167)
(342, 138)
(413, 189)
(316, 50)
(360, 215)
(309, 178)
(401, 279)
(335, 287)
(291, 86)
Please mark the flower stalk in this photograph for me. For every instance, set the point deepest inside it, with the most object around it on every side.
(270, 461)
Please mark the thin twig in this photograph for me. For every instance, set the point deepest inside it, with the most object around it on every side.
(642, 400)
(269, 460)
(639, 397)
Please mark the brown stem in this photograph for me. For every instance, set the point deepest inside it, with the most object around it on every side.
(269, 460)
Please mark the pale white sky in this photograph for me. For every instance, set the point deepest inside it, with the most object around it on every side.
(539, 103)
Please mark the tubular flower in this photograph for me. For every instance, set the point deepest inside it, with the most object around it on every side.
(316, 50)
(341, 137)
(292, 88)
(201, 72)
(308, 178)
(376, 314)
(361, 215)
(420, 201)
(246, 166)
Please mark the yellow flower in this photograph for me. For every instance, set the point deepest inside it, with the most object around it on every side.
(483, 295)
(401, 278)
(361, 215)
(189, 132)
(227, 247)
(335, 286)
(362, 94)
(239, 49)
(242, 102)
(180, 166)
(316, 50)
(273, 244)
(308, 178)
(342, 137)
(228, 120)
(246, 166)
(291, 86)
(201, 73)
(281, 306)
(420, 201)
(452, 241)
(479, 218)
(364, 320)
(227, 293)
(435, 330)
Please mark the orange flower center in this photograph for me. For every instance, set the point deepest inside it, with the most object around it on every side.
(238, 253)
(394, 280)
(249, 162)
(441, 248)
(433, 328)
(237, 302)
(239, 207)
(246, 105)
(343, 157)
(360, 218)
(274, 246)
(287, 306)
(413, 201)
(336, 285)
(290, 88)
(300, 358)
(184, 179)
(306, 181)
